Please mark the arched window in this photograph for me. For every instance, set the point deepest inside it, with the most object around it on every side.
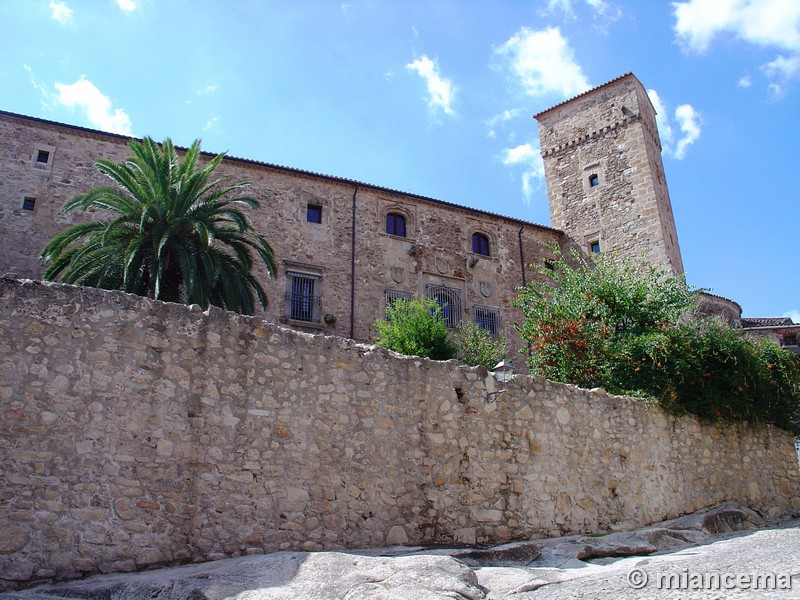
(480, 244)
(449, 300)
(396, 224)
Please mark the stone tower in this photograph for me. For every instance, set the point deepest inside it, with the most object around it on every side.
(605, 179)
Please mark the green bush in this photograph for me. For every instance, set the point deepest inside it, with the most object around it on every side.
(416, 328)
(706, 368)
(577, 313)
(476, 346)
(616, 325)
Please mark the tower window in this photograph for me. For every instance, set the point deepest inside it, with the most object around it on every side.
(480, 244)
(42, 156)
(594, 180)
(396, 224)
(314, 213)
(595, 247)
(28, 203)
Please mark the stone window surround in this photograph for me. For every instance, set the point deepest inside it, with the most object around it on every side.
(43, 165)
(298, 269)
(492, 245)
(392, 207)
(590, 170)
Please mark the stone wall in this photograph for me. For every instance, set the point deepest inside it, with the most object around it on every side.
(138, 433)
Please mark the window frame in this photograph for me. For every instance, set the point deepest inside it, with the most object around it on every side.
(312, 209)
(303, 297)
(393, 218)
(391, 296)
(449, 300)
(487, 315)
(28, 201)
(478, 239)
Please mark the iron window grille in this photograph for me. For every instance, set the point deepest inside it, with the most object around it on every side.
(449, 300)
(392, 296)
(487, 318)
(302, 297)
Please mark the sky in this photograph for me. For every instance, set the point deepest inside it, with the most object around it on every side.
(437, 98)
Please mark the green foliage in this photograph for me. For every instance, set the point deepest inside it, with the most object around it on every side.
(617, 326)
(170, 232)
(477, 346)
(416, 328)
(577, 313)
(720, 374)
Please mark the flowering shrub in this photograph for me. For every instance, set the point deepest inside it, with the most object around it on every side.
(617, 325)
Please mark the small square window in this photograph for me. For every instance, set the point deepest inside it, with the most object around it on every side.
(594, 180)
(314, 213)
(595, 247)
(28, 203)
(42, 156)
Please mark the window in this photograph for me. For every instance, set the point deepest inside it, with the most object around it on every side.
(396, 224)
(487, 318)
(595, 247)
(449, 300)
(392, 296)
(594, 180)
(302, 297)
(480, 244)
(314, 213)
(28, 203)
(42, 156)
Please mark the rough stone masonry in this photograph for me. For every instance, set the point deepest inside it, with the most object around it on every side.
(137, 433)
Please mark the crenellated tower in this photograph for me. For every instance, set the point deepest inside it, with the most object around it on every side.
(605, 178)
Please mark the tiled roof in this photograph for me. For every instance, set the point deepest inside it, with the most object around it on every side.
(537, 115)
(766, 322)
(296, 171)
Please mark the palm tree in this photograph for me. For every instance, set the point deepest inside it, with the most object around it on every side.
(171, 233)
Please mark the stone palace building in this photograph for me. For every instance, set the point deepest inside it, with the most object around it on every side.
(345, 248)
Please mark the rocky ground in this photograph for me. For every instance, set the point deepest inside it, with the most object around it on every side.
(711, 554)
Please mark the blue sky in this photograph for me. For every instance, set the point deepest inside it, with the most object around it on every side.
(437, 97)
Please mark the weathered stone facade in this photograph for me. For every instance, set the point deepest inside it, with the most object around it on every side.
(353, 260)
(138, 433)
(605, 179)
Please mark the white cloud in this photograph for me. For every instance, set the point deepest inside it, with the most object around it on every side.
(441, 91)
(662, 120)
(744, 82)
(209, 89)
(61, 13)
(761, 22)
(127, 5)
(794, 315)
(602, 10)
(543, 62)
(211, 123)
(84, 94)
(688, 122)
(503, 117)
(765, 23)
(530, 158)
(782, 66)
